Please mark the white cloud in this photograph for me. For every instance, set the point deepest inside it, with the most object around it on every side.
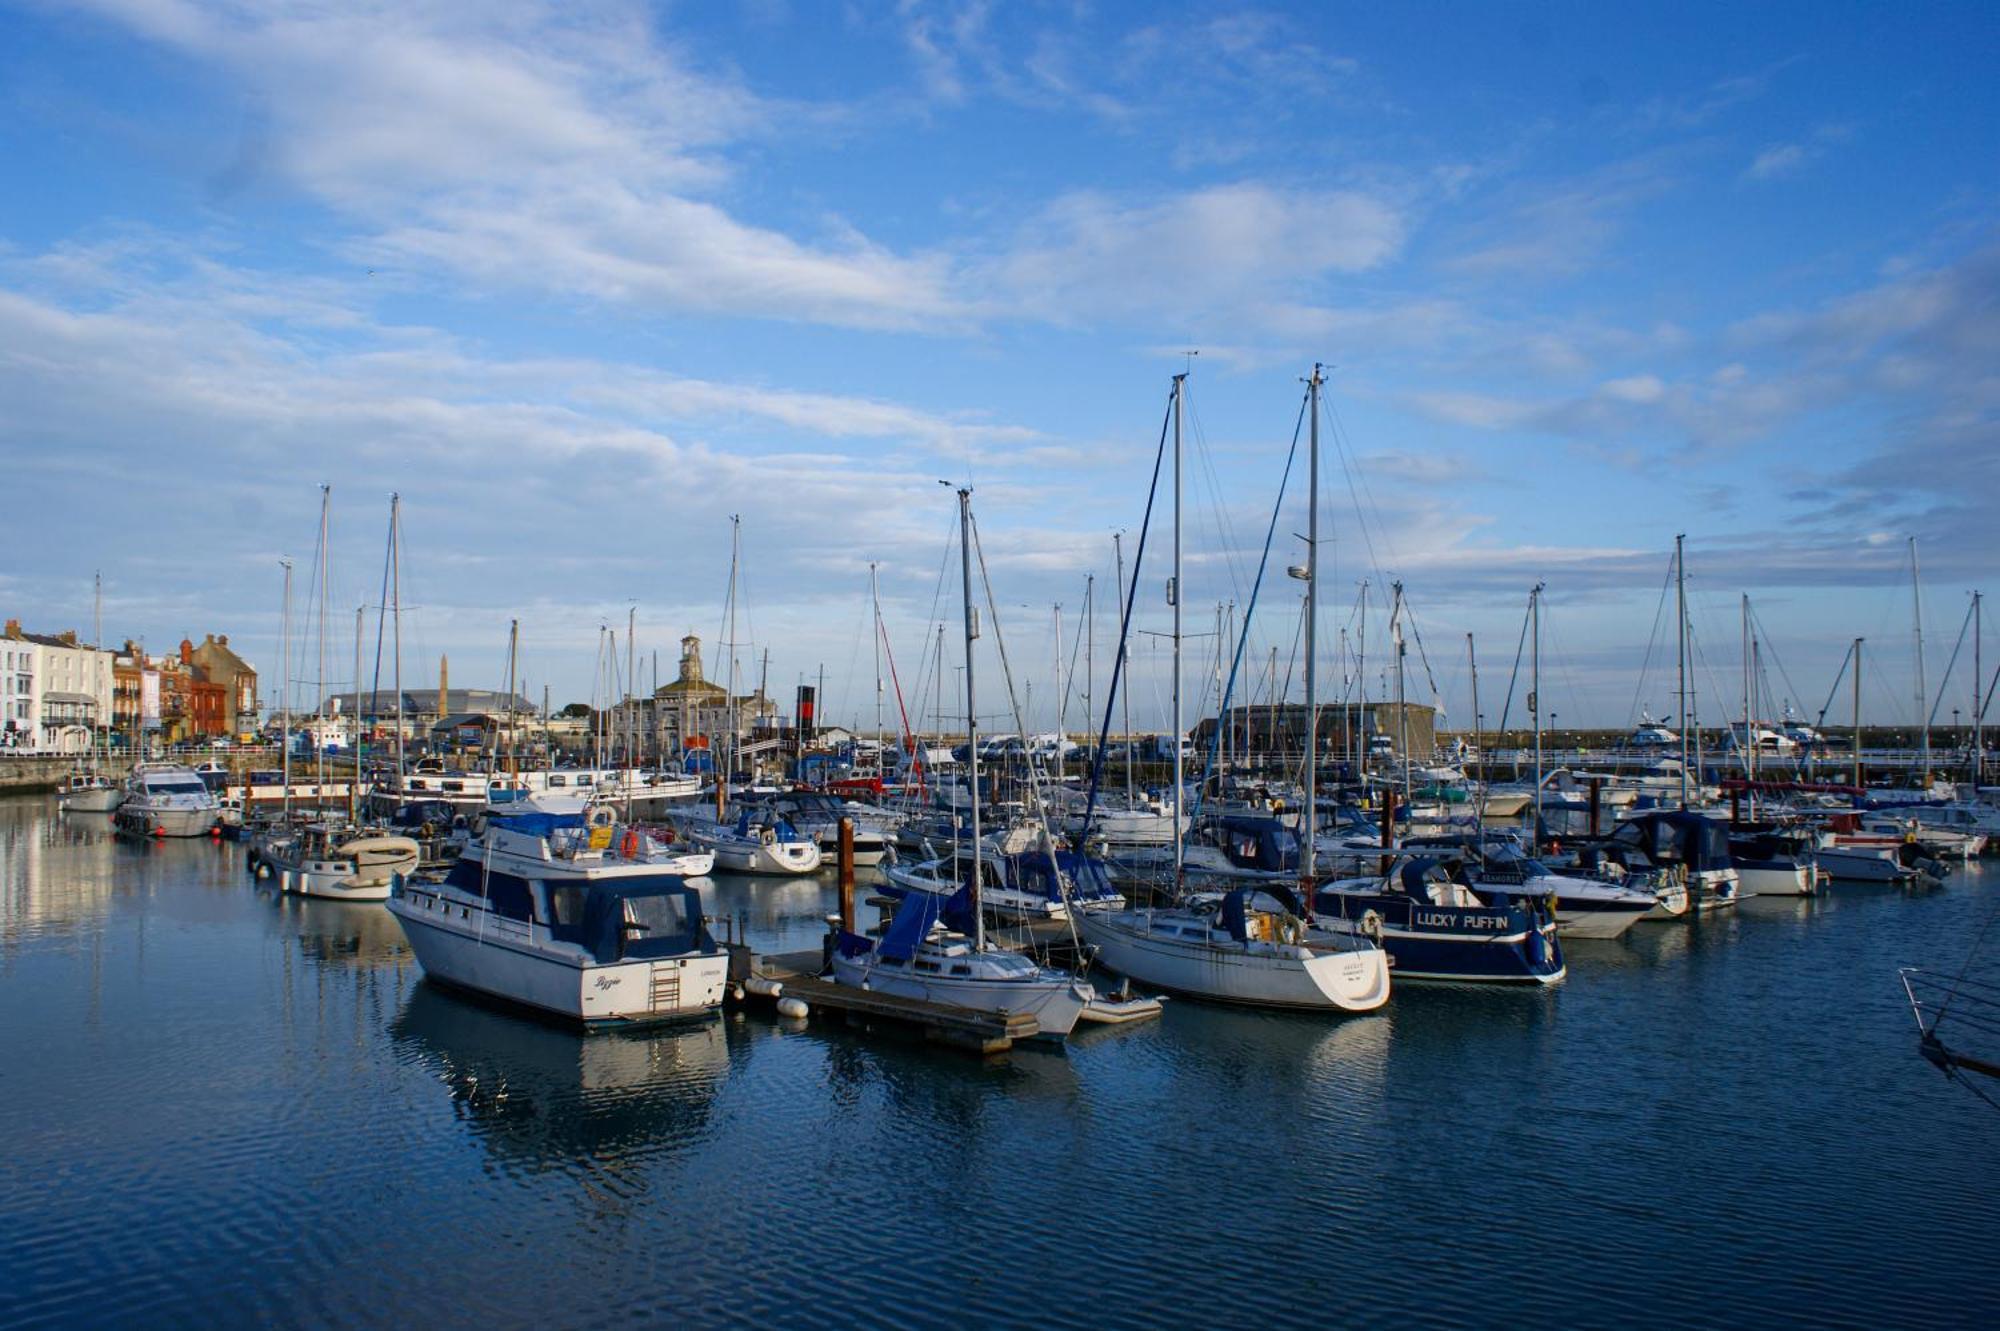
(1780, 159)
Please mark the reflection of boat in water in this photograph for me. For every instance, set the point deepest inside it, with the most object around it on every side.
(535, 1093)
(337, 934)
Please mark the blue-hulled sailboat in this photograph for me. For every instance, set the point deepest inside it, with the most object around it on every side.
(1435, 926)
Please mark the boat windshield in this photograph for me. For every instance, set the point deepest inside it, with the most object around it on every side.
(175, 785)
(664, 916)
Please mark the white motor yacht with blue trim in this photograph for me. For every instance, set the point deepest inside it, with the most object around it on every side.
(165, 800)
(579, 930)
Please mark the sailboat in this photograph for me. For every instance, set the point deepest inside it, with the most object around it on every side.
(93, 791)
(937, 950)
(1249, 944)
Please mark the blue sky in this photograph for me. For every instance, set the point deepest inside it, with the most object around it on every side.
(579, 281)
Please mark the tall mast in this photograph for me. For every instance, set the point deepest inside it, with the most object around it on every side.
(319, 704)
(1402, 710)
(1535, 703)
(285, 690)
(1472, 665)
(104, 719)
(1858, 773)
(354, 779)
(875, 610)
(1361, 741)
(735, 721)
(1090, 645)
(631, 703)
(1749, 751)
(1923, 694)
(1978, 731)
(1681, 656)
(971, 709)
(1307, 857)
(396, 604)
(1125, 668)
(513, 681)
(1174, 595)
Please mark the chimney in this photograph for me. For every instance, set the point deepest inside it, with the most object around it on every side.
(13, 628)
(68, 636)
(222, 641)
(187, 651)
(444, 686)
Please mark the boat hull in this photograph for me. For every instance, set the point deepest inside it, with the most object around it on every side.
(1254, 974)
(101, 799)
(138, 820)
(1055, 1004)
(500, 958)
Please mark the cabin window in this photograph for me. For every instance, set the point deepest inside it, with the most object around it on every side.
(928, 966)
(566, 905)
(584, 780)
(510, 897)
(558, 782)
(961, 969)
(454, 785)
(657, 917)
(892, 961)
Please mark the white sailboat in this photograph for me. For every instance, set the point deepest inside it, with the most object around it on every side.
(1249, 945)
(918, 956)
(93, 791)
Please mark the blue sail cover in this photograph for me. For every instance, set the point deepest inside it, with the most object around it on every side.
(538, 824)
(911, 926)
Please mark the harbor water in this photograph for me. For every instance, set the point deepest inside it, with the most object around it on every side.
(223, 1107)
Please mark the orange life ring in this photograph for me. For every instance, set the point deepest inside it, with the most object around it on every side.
(629, 847)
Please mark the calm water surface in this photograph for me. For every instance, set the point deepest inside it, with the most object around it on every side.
(222, 1107)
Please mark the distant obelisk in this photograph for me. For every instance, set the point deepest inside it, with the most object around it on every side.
(444, 687)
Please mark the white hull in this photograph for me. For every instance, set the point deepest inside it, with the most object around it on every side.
(778, 858)
(1573, 923)
(514, 960)
(99, 799)
(1055, 1004)
(1859, 866)
(1261, 974)
(1799, 880)
(140, 821)
(328, 880)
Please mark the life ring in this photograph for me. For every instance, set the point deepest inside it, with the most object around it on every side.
(599, 816)
(1371, 925)
(629, 845)
(767, 836)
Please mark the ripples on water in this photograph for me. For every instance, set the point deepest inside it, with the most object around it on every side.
(218, 1106)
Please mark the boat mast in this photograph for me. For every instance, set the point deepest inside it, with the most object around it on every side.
(1749, 752)
(1174, 596)
(396, 603)
(971, 710)
(1858, 773)
(1681, 656)
(631, 702)
(284, 692)
(1472, 665)
(1923, 694)
(875, 604)
(1062, 710)
(354, 779)
(1978, 732)
(1307, 857)
(319, 706)
(1535, 704)
(1402, 708)
(104, 721)
(1124, 667)
(735, 720)
(513, 666)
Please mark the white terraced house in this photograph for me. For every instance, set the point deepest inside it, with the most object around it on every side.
(54, 691)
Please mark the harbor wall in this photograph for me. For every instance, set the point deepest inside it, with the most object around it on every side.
(29, 774)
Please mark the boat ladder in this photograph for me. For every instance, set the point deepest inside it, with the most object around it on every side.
(666, 995)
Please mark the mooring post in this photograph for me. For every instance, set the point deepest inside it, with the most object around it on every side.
(847, 874)
(1388, 825)
(1596, 803)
